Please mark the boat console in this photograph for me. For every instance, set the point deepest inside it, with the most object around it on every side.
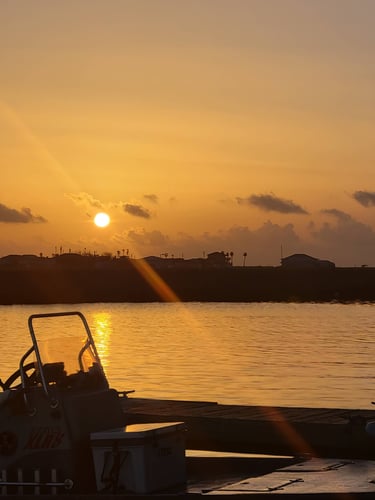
(51, 404)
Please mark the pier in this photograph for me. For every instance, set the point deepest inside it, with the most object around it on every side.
(324, 432)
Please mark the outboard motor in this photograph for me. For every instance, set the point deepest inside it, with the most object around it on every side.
(48, 410)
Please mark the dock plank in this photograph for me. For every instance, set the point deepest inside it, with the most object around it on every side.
(262, 429)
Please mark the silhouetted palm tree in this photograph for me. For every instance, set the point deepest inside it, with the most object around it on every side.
(244, 258)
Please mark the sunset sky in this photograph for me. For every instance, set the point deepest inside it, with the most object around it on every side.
(198, 126)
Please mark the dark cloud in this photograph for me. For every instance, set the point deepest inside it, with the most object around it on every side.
(338, 214)
(151, 197)
(365, 198)
(24, 216)
(347, 242)
(271, 203)
(136, 210)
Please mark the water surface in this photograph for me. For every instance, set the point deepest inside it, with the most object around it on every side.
(318, 355)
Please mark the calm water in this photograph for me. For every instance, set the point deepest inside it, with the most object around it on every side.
(271, 354)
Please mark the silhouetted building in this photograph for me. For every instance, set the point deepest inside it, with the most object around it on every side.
(27, 261)
(303, 261)
(218, 259)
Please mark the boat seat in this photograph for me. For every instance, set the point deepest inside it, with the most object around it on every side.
(4, 396)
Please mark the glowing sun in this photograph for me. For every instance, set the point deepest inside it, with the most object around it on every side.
(102, 219)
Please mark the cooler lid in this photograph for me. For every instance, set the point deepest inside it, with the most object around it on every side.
(139, 431)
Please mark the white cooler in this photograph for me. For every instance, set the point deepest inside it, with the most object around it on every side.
(140, 458)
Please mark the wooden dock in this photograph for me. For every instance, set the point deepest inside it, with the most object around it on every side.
(322, 432)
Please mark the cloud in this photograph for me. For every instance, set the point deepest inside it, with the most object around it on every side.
(365, 198)
(89, 202)
(149, 238)
(85, 199)
(136, 210)
(347, 242)
(271, 203)
(10, 215)
(262, 245)
(151, 197)
(338, 214)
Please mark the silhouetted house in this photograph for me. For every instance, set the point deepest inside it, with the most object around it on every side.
(303, 261)
(214, 259)
(218, 259)
(21, 261)
(103, 261)
(196, 263)
(123, 262)
(163, 262)
(10, 261)
(70, 261)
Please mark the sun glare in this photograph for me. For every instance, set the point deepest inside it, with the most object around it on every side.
(102, 219)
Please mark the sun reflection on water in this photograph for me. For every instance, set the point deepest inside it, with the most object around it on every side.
(102, 332)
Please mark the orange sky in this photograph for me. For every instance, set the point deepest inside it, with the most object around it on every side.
(235, 125)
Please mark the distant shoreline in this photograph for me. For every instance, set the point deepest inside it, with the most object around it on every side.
(232, 284)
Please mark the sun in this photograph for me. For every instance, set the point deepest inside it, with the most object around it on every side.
(102, 219)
